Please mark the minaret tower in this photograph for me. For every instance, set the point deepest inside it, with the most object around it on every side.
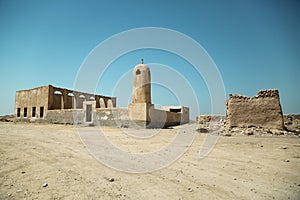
(141, 84)
(141, 107)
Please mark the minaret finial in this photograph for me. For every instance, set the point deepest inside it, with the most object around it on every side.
(142, 60)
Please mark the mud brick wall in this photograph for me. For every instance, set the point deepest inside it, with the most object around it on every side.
(263, 110)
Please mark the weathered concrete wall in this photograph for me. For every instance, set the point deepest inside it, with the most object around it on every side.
(184, 111)
(161, 118)
(30, 99)
(102, 116)
(139, 111)
(263, 110)
(65, 116)
(144, 115)
(113, 117)
(34, 104)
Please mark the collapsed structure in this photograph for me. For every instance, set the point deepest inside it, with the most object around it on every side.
(57, 105)
(263, 110)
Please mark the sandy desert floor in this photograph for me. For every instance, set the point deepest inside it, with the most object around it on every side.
(239, 167)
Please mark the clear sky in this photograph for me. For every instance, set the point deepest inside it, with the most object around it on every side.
(255, 45)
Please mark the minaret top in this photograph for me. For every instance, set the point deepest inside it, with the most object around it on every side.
(142, 60)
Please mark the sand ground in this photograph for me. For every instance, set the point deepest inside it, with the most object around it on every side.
(239, 167)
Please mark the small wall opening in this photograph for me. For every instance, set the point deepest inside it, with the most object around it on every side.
(57, 92)
(110, 103)
(33, 113)
(41, 112)
(102, 103)
(176, 110)
(25, 112)
(137, 72)
(18, 112)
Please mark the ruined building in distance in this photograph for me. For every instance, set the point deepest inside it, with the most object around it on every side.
(57, 105)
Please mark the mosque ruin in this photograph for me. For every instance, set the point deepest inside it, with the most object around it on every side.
(57, 105)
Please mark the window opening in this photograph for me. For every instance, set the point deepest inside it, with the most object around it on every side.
(25, 112)
(33, 111)
(18, 112)
(41, 112)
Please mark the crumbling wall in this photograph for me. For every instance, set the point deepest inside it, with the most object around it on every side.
(263, 110)
(113, 117)
(209, 123)
(103, 116)
(292, 122)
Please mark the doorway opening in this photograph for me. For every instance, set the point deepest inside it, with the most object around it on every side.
(88, 113)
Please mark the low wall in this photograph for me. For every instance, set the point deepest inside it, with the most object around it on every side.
(263, 110)
(161, 118)
(112, 117)
(101, 116)
(65, 116)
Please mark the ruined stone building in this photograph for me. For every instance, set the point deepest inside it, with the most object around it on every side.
(263, 110)
(45, 103)
(57, 105)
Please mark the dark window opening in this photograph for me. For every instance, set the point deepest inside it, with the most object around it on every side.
(19, 112)
(138, 72)
(33, 111)
(41, 112)
(25, 112)
(175, 110)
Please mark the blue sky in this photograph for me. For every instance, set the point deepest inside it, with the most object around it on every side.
(255, 45)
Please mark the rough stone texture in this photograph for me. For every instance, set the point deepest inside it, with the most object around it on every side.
(27, 99)
(216, 124)
(113, 117)
(101, 116)
(7, 118)
(292, 122)
(263, 110)
(66, 116)
(209, 123)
